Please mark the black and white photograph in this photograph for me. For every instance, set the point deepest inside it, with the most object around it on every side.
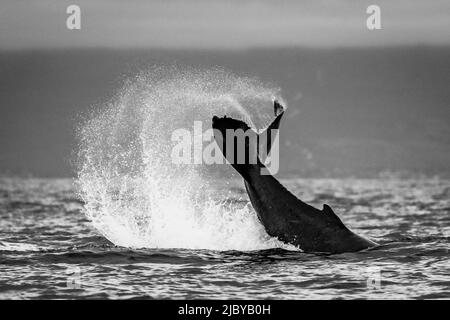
(220, 150)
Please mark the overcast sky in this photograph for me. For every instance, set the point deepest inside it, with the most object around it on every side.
(222, 24)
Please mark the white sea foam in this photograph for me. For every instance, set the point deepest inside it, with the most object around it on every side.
(10, 246)
(135, 196)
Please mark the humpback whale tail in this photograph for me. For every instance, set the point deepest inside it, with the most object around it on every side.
(282, 213)
(245, 145)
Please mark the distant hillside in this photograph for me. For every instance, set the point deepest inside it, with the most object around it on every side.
(353, 112)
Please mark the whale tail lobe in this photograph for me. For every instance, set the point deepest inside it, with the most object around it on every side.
(241, 145)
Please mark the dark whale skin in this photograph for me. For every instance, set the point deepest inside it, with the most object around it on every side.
(293, 221)
(282, 214)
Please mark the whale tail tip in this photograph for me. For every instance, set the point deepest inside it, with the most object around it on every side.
(277, 108)
(224, 123)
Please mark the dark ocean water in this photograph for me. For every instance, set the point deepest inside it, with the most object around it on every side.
(49, 249)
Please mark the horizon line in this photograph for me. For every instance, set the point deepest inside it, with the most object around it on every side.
(228, 49)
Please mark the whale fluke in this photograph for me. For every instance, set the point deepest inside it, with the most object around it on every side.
(282, 214)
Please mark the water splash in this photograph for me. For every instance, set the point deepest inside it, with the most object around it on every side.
(133, 193)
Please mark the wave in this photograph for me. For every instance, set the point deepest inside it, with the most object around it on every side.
(17, 247)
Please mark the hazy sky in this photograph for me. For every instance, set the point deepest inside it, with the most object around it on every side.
(222, 24)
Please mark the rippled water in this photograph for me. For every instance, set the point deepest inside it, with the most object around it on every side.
(48, 249)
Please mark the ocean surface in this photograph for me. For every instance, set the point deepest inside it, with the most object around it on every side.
(49, 249)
